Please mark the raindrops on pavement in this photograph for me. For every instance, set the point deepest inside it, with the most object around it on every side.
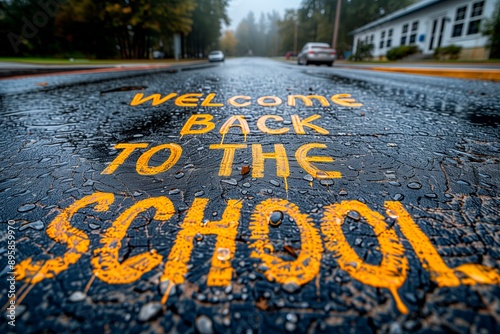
(223, 254)
(276, 218)
(414, 185)
(26, 207)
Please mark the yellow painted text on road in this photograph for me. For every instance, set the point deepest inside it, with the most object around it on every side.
(390, 273)
(239, 101)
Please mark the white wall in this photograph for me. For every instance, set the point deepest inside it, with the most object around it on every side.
(425, 19)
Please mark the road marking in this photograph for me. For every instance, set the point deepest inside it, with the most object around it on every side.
(128, 149)
(226, 229)
(105, 258)
(307, 100)
(143, 167)
(321, 239)
(279, 154)
(305, 162)
(61, 231)
(226, 164)
(299, 124)
(242, 124)
(188, 100)
(202, 123)
(261, 125)
(392, 270)
(299, 271)
(390, 273)
(193, 100)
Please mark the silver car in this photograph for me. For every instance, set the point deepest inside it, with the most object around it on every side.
(216, 56)
(316, 53)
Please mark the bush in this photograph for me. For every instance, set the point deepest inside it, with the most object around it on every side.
(401, 51)
(363, 51)
(448, 52)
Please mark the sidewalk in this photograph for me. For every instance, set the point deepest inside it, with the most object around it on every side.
(12, 69)
(462, 70)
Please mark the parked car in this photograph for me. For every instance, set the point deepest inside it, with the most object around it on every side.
(316, 53)
(158, 54)
(216, 56)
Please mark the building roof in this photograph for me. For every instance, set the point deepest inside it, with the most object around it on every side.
(397, 14)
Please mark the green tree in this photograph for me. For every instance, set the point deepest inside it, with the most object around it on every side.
(258, 38)
(208, 17)
(26, 29)
(272, 34)
(491, 28)
(286, 31)
(133, 26)
(246, 35)
(81, 29)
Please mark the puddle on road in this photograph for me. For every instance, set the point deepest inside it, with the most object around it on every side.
(123, 89)
(489, 120)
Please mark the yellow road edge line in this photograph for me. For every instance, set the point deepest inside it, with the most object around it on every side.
(490, 74)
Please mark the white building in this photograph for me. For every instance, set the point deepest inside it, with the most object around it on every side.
(429, 24)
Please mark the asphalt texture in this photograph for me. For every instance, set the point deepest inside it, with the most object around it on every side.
(430, 144)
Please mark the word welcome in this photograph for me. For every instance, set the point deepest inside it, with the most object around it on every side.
(194, 99)
(391, 273)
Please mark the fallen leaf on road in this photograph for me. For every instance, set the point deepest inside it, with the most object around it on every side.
(245, 170)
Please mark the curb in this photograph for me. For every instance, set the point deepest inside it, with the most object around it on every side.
(47, 71)
(490, 74)
(71, 78)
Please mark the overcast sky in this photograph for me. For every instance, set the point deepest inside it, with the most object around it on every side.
(238, 9)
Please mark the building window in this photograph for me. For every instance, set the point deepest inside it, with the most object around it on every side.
(414, 29)
(461, 11)
(382, 38)
(404, 33)
(459, 22)
(389, 38)
(477, 9)
(457, 30)
(372, 37)
(474, 27)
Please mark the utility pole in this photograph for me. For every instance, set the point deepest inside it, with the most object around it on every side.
(296, 34)
(336, 25)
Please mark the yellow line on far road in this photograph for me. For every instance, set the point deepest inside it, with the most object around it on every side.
(482, 74)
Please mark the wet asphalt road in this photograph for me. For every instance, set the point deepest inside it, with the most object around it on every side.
(429, 144)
